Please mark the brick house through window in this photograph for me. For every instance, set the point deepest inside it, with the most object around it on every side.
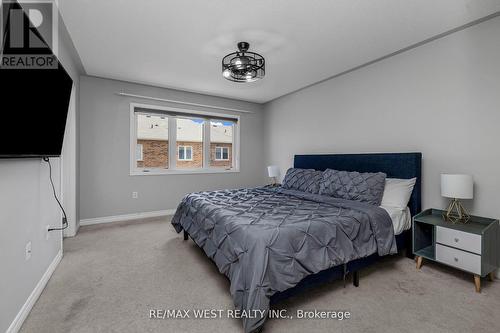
(153, 148)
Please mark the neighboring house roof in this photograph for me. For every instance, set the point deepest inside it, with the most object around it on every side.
(220, 132)
(152, 127)
(155, 127)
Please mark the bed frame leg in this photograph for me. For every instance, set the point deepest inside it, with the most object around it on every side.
(409, 248)
(409, 254)
(345, 274)
(355, 278)
(185, 235)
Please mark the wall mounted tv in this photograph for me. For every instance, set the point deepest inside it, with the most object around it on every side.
(34, 103)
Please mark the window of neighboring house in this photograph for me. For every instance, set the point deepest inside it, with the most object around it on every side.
(185, 153)
(222, 153)
(139, 153)
(169, 140)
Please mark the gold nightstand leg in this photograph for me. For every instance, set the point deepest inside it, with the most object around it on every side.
(419, 262)
(477, 283)
(491, 276)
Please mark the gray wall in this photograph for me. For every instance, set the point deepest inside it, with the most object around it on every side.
(27, 206)
(105, 184)
(442, 99)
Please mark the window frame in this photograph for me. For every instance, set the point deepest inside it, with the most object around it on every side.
(172, 139)
(222, 153)
(184, 159)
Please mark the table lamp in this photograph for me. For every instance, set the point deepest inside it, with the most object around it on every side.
(456, 187)
(274, 172)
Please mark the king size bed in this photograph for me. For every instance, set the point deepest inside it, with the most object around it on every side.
(273, 242)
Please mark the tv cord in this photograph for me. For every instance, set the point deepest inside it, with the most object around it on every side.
(65, 218)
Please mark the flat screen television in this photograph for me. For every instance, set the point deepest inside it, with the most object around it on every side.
(33, 106)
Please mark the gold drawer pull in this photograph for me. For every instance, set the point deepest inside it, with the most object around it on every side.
(456, 259)
(456, 240)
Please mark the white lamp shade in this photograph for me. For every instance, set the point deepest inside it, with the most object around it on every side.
(457, 186)
(273, 171)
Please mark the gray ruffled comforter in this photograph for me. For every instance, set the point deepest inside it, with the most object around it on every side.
(266, 240)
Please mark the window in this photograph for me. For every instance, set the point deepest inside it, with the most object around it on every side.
(189, 143)
(221, 153)
(185, 153)
(151, 141)
(221, 143)
(168, 140)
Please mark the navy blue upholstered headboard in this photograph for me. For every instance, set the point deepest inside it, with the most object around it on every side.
(395, 165)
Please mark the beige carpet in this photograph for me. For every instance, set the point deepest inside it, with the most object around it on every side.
(112, 275)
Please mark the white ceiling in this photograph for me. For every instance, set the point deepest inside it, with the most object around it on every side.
(180, 43)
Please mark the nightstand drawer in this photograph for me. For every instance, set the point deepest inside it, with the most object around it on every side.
(459, 239)
(459, 259)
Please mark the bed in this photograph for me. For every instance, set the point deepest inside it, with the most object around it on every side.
(273, 243)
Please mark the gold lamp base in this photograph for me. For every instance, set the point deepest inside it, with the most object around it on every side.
(274, 183)
(456, 213)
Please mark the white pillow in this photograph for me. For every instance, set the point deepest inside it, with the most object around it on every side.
(397, 192)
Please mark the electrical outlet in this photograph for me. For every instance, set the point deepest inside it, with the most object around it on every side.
(135, 195)
(28, 250)
(47, 233)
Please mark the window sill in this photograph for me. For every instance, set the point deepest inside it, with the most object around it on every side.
(181, 172)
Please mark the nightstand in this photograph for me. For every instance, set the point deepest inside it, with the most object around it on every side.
(472, 247)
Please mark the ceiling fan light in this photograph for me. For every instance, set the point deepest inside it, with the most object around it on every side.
(243, 66)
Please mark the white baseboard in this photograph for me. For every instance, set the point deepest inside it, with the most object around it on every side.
(26, 308)
(126, 217)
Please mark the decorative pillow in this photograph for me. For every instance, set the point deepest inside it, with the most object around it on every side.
(364, 187)
(305, 180)
(397, 192)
